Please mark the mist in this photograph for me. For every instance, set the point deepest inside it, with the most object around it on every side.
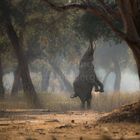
(129, 76)
(69, 69)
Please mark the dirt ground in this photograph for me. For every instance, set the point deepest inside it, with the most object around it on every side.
(73, 125)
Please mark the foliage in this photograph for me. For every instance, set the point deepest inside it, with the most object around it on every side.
(93, 28)
(90, 27)
(3, 44)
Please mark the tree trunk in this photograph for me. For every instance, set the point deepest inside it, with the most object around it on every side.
(106, 76)
(54, 77)
(1, 81)
(117, 72)
(136, 53)
(62, 86)
(62, 76)
(28, 87)
(45, 79)
(17, 84)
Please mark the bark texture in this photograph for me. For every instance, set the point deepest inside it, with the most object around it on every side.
(136, 52)
(1, 80)
(17, 84)
(28, 87)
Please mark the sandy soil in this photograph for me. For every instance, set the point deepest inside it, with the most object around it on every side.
(76, 125)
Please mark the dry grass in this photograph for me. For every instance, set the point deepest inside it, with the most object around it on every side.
(55, 102)
(108, 102)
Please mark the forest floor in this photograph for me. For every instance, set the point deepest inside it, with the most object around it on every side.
(70, 125)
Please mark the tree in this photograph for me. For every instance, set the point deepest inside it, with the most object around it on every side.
(3, 49)
(13, 37)
(114, 58)
(125, 12)
(117, 71)
(53, 48)
(32, 53)
(16, 83)
(45, 79)
(34, 50)
(1, 80)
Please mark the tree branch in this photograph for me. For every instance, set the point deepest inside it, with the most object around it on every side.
(114, 14)
(92, 8)
(127, 16)
(67, 6)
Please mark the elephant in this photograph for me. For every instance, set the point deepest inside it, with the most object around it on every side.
(87, 79)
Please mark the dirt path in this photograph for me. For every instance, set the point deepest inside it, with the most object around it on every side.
(44, 125)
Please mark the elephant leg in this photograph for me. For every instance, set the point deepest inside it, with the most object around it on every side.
(89, 104)
(82, 104)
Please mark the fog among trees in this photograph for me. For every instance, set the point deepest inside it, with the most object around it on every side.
(41, 47)
(69, 69)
